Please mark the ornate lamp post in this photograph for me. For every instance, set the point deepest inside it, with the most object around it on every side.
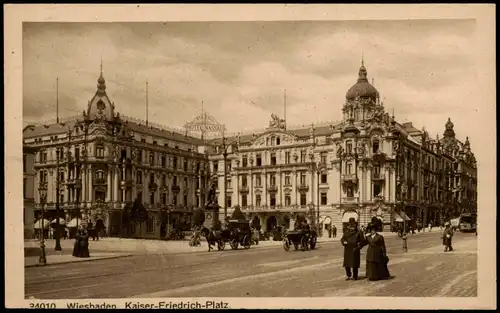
(224, 146)
(42, 190)
(320, 167)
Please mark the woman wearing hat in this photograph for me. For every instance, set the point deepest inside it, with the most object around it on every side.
(447, 235)
(376, 254)
(352, 240)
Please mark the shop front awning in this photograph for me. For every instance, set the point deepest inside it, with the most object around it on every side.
(61, 221)
(348, 215)
(403, 215)
(41, 224)
(397, 218)
(74, 223)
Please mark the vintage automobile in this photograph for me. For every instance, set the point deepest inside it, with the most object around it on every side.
(300, 238)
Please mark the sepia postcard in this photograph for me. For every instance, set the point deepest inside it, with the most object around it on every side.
(250, 156)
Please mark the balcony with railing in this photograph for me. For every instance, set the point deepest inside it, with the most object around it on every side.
(99, 181)
(280, 208)
(350, 199)
(74, 182)
(303, 187)
(349, 178)
(272, 188)
(244, 189)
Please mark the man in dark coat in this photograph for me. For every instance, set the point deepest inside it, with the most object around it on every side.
(447, 236)
(352, 240)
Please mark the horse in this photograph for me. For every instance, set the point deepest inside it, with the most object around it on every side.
(215, 237)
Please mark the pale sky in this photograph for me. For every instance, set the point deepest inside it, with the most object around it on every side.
(424, 69)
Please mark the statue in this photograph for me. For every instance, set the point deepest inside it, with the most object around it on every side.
(276, 121)
(212, 197)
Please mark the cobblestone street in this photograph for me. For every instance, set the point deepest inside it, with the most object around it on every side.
(424, 271)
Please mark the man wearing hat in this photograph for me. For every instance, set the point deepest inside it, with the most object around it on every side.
(352, 240)
(447, 235)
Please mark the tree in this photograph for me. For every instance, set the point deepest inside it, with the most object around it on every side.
(138, 213)
(198, 217)
(237, 214)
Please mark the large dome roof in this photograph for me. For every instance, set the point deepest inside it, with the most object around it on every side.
(362, 88)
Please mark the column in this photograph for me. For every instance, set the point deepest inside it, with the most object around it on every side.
(252, 202)
(386, 184)
(370, 187)
(84, 187)
(362, 172)
(294, 188)
(108, 186)
(116, 189)
(280, 189)
(312, 188)
(91, 193)
(265, 189)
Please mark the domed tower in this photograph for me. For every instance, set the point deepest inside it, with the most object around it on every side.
(100, 106)
(449, 132)
(361, 98)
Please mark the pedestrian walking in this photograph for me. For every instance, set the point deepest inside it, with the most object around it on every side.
(447, 236)
(334, 231)
(376, 254)
(352, 240)
(76, 247)
(84, 244)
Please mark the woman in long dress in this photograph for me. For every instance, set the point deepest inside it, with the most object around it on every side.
(376, 255)
(84, 244)
(76, 247)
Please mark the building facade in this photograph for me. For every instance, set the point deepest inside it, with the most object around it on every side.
(367, 165)
(363, 166)
(96, 163)
(28, 191)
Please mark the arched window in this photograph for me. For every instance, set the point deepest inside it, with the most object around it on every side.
(138, 177)
(277, 141)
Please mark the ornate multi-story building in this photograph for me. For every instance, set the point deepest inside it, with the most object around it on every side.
(100, 161)
(28, 190)
(364, 166)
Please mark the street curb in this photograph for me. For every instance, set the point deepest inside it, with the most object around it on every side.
(75, 261)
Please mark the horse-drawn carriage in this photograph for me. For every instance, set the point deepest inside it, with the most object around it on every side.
(237, 233)
(300, 238)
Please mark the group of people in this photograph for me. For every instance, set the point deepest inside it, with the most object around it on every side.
(354, 240)
(81, 247)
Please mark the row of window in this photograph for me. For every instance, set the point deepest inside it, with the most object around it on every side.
(272, 200)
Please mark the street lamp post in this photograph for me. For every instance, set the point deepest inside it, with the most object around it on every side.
(58, 238)
(319, 169)
(42, 190)
(225, 147)
(404, 237)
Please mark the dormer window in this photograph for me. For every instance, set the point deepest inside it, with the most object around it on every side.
(277, 141)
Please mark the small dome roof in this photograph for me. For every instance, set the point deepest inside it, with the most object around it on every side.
(362, 88)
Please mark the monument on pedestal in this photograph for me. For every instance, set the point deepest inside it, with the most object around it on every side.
(211, 209)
